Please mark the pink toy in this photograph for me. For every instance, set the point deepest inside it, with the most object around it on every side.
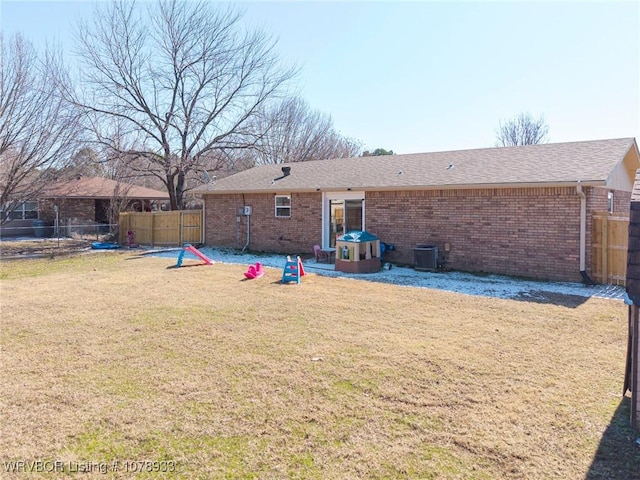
(190, 248)
(131, 242)
(254, 271)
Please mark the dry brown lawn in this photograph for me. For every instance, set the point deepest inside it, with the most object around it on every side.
(110, 357)
(44, 247)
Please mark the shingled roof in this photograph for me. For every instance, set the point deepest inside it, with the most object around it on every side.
(590, 162)
(101, 188)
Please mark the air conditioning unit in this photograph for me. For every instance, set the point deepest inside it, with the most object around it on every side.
(425, 258)
(246, 211)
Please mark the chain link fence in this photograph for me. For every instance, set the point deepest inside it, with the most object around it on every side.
(69, 228)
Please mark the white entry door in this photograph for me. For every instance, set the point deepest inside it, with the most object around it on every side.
(342, 213)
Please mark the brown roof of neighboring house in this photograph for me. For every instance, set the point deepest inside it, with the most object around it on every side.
(101, 188)
(590, 162)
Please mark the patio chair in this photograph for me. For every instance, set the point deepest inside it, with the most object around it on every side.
(319, 254)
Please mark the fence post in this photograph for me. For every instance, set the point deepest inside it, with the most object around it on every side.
(120, 226)
(153, 230)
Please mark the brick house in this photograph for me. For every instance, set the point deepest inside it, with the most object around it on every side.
(89, 198)
(632, 370)
(512, 210)
(82, 201)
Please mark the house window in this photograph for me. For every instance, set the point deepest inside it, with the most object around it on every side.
(610, 202)
(283, 206)
(24, 211)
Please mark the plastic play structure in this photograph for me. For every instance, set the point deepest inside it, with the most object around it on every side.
(191, 249)
(358, 251)
(293, 270)
(254, 271)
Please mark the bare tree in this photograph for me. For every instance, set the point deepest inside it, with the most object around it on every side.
(84, 162)
(119, 201)
(183, 79)
(296, 133)
(522, 130)
(38, 129)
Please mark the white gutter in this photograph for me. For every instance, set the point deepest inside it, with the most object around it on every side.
(583, 226)
(394, 188)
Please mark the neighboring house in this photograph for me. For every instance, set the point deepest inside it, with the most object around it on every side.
(632, 370)
(523, 210)
(82, 201)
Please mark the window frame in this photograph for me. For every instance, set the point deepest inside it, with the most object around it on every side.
(21, 212)
(280, 209)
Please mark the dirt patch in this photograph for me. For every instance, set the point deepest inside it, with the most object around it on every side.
(541, 296)
(17, 249)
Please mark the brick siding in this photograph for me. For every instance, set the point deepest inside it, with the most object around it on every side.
(80, 209)
(525, 232)
(294, 235)
(530, 232)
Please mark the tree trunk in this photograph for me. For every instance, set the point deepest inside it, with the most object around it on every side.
(180, 190)
(173, 199)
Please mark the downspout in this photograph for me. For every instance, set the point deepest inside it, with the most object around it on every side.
(583, 235)
(248, 217)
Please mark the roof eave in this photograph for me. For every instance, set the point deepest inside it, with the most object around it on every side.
(394, 188)
(482, 186)
(100, 197)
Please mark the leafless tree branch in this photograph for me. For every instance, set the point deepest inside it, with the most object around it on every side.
(522, 130)
(293, 132)
(182, 77)
(39, 130)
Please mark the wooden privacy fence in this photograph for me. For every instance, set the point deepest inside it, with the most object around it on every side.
(173, 228)
(609, 240)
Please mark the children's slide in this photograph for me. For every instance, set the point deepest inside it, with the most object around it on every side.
(194, 251)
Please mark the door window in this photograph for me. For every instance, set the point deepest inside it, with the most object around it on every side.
(344, 216)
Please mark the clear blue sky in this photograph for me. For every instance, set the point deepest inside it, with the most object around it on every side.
(429, 76)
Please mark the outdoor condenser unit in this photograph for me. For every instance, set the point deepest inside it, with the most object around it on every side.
(425, 258)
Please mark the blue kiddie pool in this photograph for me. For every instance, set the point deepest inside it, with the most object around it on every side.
(104, 246)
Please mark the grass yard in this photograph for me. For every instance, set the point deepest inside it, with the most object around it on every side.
(109, 358)
(43, 247)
